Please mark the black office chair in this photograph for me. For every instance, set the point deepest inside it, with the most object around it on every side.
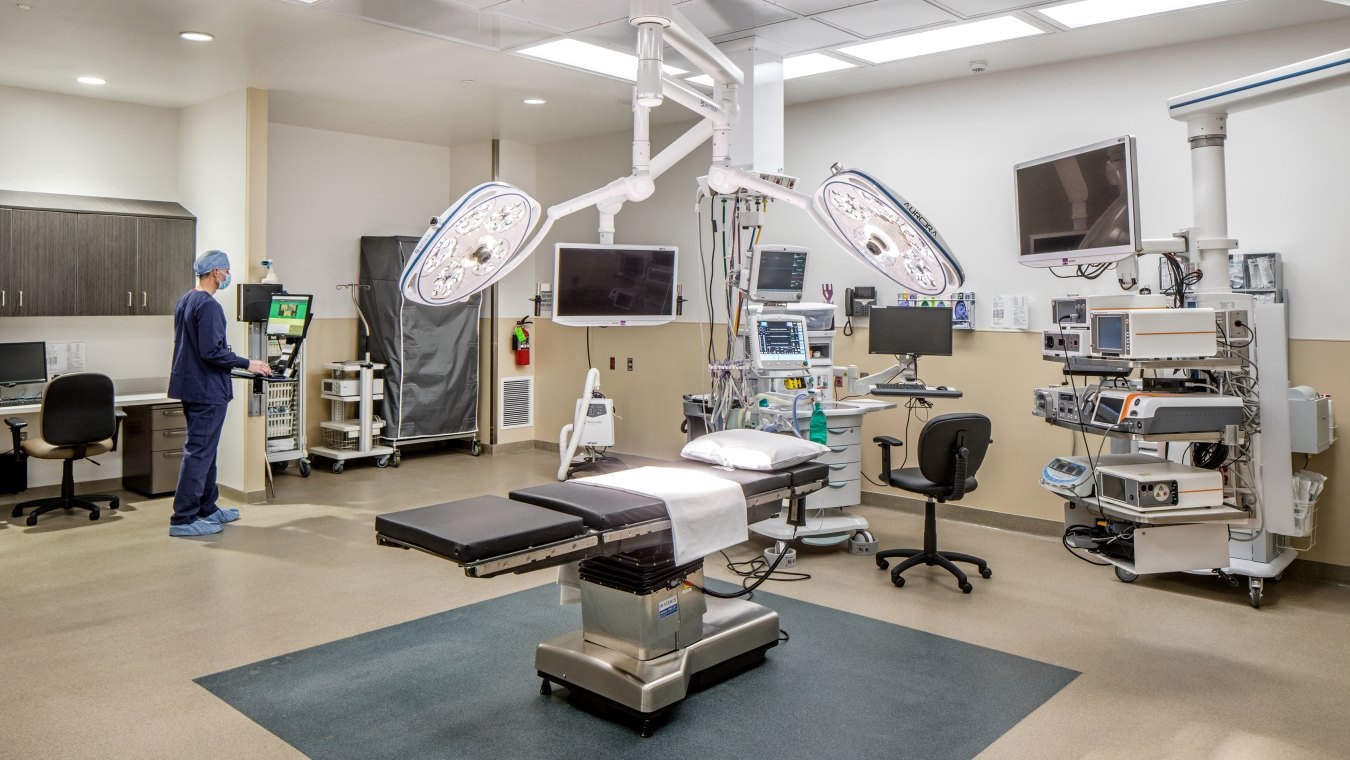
(951, 449)
(79, 420)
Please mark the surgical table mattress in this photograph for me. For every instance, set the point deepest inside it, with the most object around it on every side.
(554, 523)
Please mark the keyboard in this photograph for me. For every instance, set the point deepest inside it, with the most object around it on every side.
(914, 390)
(21, 401)
(901, 387)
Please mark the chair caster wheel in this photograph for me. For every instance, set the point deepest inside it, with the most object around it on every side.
(986, 573)
(16, 512)
(898, 580)
(966, 588)
(882, 564)
(32, 520)
(114, 504)
(94, 515)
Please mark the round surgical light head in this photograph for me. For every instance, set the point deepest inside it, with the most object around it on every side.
(475, 243)
(887, 232)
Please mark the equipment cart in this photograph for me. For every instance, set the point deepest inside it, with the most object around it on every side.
(353, 428)
(285, 410)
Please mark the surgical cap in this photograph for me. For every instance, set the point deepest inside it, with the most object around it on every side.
(209, 261)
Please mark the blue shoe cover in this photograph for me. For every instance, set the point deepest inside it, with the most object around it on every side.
(198, 528)
(222, 516)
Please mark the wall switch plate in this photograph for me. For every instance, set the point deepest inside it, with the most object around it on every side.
(630, 364)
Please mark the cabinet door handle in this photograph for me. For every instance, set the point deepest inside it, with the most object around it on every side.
(128, 299)
(838, 449)
(2, 298)
(837, 467)
(143, 299)
(20, 298)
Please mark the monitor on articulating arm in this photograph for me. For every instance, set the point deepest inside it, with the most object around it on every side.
(1079, 206)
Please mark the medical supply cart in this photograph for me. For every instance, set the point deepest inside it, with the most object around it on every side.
(285, 421)
(352, 430)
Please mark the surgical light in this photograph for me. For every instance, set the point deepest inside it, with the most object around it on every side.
(887, 232)
(583, 55)
(942, 39)
(1089, 12)
(475, 243)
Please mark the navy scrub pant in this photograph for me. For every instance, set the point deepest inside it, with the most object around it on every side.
(196, 495)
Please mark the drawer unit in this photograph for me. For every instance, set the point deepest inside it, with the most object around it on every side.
(841, 436)
(841, 454)
(152, 448)
(838, 493)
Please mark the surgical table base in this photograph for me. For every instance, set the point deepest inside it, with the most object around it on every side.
(649, 634)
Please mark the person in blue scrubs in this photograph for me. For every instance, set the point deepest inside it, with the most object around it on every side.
(200, 379)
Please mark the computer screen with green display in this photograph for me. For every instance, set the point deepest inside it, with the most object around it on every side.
(288, 315)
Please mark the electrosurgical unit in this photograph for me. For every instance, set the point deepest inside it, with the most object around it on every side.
(1154, 333)
(1075, 476)
(1160, 485)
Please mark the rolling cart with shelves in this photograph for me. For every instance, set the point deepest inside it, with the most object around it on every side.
(352, 430)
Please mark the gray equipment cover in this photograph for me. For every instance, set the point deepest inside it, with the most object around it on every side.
(431, 384)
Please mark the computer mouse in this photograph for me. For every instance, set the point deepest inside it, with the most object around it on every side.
(942, 387)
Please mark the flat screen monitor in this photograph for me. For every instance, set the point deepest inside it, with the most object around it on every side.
(777, 273)
(613, 285)
(1079, 206)
(23, 363)
(288, 315)
(779, 342)
(919, 330)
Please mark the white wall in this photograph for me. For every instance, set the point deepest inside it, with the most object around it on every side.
(213, 184)
(327, 189)
(53, 143)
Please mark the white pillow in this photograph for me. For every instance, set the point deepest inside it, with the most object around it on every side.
(752, 450)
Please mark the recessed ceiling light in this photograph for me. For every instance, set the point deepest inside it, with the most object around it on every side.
(535, 101)
(91, 80)
(197, 36)
(583, 55)
(1089, 12)
(812, 63)
(942, 39)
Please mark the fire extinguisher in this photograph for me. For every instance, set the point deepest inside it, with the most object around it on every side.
(520, 344)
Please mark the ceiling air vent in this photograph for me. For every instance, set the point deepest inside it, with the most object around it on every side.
(517, 402)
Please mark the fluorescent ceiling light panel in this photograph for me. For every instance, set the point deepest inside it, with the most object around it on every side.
(197, 36)
(91, 80)
(812, 63)
(943, 39)
(583, 55)
(1089, 12)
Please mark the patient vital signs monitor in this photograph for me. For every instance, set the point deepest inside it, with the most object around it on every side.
(777, 273)
(918, 330)
(778, 342)
(23, 363)
(288, 316)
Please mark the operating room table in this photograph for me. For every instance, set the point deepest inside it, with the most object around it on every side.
(650, 634)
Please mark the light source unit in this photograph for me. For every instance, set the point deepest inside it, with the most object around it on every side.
(886, 231)
(475, 243)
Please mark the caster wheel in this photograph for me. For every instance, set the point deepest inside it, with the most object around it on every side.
(337, 467)
(1256, 598)
(882, 564)
(475, 449)
(32, 520)
(898, 580)
(382, 462)
(17, 512)
(966, 588)
(986, 573)
(94, 515)
(398, 459)
(1126, 576)
(1277, 577)
(304, 468)
(280, 466)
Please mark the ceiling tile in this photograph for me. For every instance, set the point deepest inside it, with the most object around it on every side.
(450, 21)
(979, 7)
(566, 17)
(719, 17)
(884, 17)
(796, 35)
(808, 7)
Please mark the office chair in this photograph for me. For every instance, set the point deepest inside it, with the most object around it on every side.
(79, 420)
(951, 449)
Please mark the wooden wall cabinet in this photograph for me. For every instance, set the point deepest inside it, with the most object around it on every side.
(82, 256)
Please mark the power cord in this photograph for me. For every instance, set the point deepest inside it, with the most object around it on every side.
(748, 590)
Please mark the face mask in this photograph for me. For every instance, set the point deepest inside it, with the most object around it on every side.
(225, 283)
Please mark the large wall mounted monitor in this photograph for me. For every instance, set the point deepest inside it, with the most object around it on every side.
(918, 330)
(613, 285)
(23, 363)
(777, 273)
(1079, 206)
(288, 315)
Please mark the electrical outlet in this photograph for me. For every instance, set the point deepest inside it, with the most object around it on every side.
(611, 362)
(630, 364)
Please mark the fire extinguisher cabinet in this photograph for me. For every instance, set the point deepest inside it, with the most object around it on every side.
(431, 352)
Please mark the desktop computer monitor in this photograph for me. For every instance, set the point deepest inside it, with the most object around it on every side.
(288, 315)
(23, 363)
(919, 330)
